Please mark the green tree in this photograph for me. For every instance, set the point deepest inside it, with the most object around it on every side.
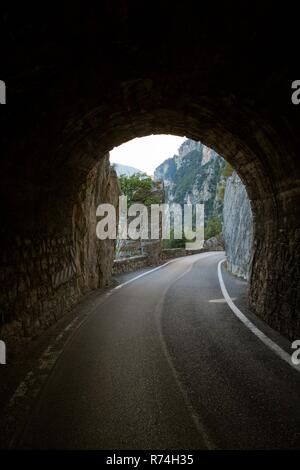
(173, 242)
(136, 187)
(227, 170)
(213, 227)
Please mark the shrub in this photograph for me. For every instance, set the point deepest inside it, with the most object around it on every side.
(213, 227)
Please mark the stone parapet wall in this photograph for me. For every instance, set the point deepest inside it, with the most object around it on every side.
(133, 263)
(169, 253)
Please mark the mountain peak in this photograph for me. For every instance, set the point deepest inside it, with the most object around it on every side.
(125, 169)
(188, 146)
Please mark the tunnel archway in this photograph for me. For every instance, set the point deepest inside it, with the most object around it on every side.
(66, 121)
(269, 202)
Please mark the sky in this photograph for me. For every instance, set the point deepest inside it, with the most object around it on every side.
(146, 153)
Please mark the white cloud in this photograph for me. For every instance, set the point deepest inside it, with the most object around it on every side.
(146, 153)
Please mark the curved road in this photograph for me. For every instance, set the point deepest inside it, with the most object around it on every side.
(165, 364)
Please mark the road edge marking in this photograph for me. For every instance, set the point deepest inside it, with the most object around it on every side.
(155, 269)
(159, 267)
(143, 274)
(256, 331)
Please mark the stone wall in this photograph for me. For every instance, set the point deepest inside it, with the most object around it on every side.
(237, 227)
(38, 283)
(133, 263)
(169, 253)
(44, 275)
(275, 273)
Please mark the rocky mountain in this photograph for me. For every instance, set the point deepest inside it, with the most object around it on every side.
(125, 169)
(194, 175)
(237, 227)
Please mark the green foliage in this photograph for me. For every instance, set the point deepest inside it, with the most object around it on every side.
(136, 187)
(221, 192)
(151, 200)
(213, 227)
(172, 242)
(227, 170)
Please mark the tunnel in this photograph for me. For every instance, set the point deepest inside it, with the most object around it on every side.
(81, 80)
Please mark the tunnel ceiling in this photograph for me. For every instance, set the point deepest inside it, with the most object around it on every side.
(84, 79)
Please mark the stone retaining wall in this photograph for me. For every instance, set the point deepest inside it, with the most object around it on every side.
(169, 253)
(133, 263)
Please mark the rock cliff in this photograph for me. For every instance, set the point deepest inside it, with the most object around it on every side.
(195, 176)
(237, 227)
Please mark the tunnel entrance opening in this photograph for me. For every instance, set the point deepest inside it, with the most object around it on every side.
(255, 155)
(191, 174)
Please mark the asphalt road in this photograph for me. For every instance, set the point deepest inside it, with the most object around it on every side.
(165, 364)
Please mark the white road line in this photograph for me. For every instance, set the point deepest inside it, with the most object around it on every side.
(265, 339)
(158, 267)
(142, 275)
